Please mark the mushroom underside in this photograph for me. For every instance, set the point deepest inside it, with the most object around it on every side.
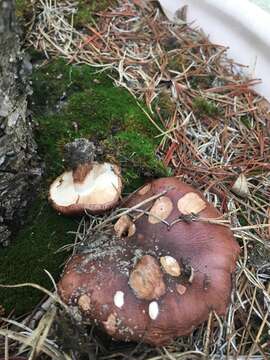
(100, 186)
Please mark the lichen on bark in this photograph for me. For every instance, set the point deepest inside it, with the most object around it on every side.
(20, 170)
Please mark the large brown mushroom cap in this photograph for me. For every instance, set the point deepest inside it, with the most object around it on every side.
(91, 186)
(192, 263)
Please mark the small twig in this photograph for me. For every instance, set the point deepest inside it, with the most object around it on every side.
(207, 336)
(196, 217)
(143, 212)
(250, 227)
(129, 210)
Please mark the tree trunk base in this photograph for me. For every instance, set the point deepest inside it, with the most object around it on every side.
(20, 169)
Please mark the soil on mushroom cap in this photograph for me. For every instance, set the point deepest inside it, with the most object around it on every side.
(183, 270)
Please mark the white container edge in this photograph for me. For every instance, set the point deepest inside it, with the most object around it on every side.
(238, 24)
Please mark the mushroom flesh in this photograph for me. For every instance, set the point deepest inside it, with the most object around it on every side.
(95, 187)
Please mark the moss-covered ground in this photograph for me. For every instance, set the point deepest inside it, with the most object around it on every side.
(84, 16)
(205, 107)
(69, 102)
(87, 9)
(78, 102)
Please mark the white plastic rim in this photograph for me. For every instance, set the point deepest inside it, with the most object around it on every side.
(265, 4)
(238, 24)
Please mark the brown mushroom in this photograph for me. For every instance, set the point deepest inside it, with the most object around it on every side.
(91, 186)
(163, 281)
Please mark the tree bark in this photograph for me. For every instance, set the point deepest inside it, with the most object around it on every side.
(20, 169)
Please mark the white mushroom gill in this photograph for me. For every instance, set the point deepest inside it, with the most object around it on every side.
(153, 310)
(119, 299)
(100, 178)
(62, 190)
(100, 186)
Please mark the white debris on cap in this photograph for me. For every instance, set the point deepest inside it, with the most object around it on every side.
(160, 210)
(110, 324)
(181, 289)
(100, 185)
(62, 190)
(191, 203)
(119, 299)
(146, 279)
(153, 310)
(84, 302)
(170, 265)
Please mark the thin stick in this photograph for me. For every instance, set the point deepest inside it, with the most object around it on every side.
(207, 335)
(129, 210)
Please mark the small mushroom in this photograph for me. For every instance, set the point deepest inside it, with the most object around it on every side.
(92, 186)
(165, 280)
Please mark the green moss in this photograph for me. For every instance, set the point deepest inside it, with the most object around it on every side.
(92, 108)
(166, 105)
(70, 102)
(34, 250)
(205, 107)
(20, 7)
(247, 121)
(24, 12)
(201, 81)
(259, 255)
(86, 10)
(177, 62)
(135, 152)
(84, 16)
